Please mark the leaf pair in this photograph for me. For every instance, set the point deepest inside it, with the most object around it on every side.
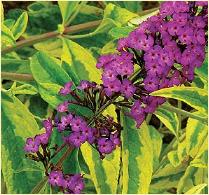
(9, 36)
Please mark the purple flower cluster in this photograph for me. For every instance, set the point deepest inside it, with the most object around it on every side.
(167, 47)
(104, 135)
(80, 131)
(105, 138)
(71, 184)
(32, 144)
(116, 69)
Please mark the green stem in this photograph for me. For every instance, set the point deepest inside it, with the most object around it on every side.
(185, 113)
(102, 109)
(148, 118)
(38, 38)
(134, 74)
(38, 118)
(172, 145)
(164, 130)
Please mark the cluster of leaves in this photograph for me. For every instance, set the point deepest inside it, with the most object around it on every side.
(168, 154)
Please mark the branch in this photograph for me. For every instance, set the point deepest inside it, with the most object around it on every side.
(101, 4)
(16, 76)
(64, 156)
(38, 38)
(58, 150)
